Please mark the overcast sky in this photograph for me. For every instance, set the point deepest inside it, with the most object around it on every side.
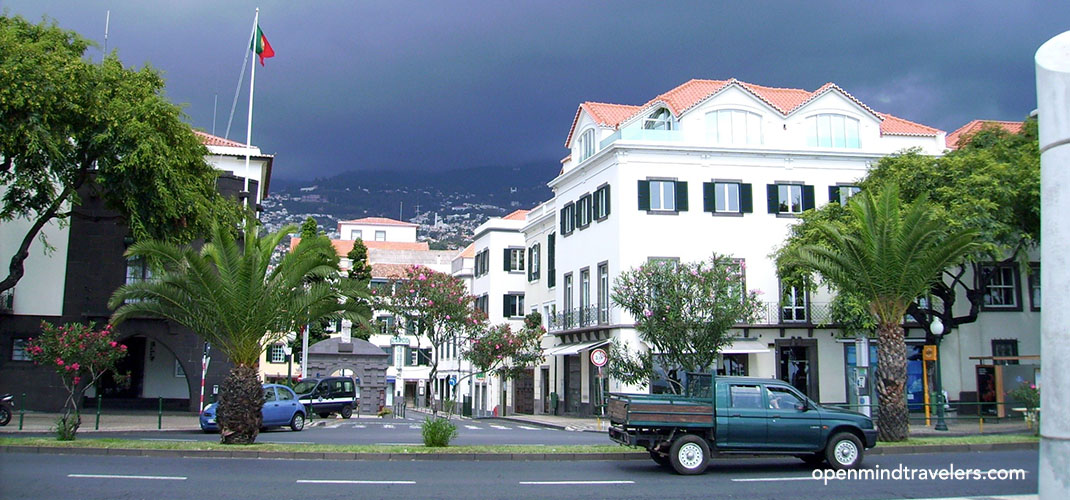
(444, 84)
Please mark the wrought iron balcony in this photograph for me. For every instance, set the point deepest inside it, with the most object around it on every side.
(583, 317)
(775, 313)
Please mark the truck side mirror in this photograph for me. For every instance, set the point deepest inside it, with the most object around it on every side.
(801, 406)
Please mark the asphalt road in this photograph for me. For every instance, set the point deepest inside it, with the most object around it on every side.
(384, 431)
(46, 476)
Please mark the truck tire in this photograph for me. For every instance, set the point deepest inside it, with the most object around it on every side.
(347, 411)
(662, 460)
(844, 451)
(689, 455)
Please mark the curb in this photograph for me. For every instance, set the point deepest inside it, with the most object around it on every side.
(302, 455)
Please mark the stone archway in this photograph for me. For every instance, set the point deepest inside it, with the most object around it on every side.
(366, 361)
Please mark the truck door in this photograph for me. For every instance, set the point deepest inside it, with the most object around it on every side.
(789, 427)
(745, 417)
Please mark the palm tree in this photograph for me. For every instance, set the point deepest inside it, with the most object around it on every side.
(230, 294)
(889, 258)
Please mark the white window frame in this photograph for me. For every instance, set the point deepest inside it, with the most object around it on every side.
(792, 309)
(664, 192)
(723, 197)
(790, 190)
(356, 234)
(18, 350)
(833, 130)
(741, 127)
(600, 208)
(660, 119)
(516, 260)
(998, 287)
(846, 192)
(587, 145)
(277, 354)
(518, 305)
(380, 235)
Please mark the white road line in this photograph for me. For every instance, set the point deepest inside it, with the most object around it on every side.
(360, 426)
(160, 439)
(414, 426)
(120, 476)
(388, 426)
(529, 428)
(574, 482)
(350, 481)
(501, 427)
(768, 479)
(474, 428)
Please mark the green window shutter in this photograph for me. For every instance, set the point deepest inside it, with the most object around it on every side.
(507, 305)
(808, 197)
(746, 199)
(607, 202)
(408, 356)
(772, 197)
(681, 196)
(507, 254)
(834, 194)
(708, 201)
(576, 222)
(562, 216)
(551, 268)
(644, 195)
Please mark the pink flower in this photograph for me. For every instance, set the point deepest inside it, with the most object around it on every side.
(77, 380)
(122, 347)
(59, 361)
(648, 313)
(114, 343)
(447, 316)
(74, 366)
(412, 290)
(421, 277)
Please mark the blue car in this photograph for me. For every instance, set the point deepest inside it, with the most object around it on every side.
(281, 409)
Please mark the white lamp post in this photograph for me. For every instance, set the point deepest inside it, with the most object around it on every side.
(937, 329)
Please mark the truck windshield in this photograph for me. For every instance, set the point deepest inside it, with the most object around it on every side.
(699, 385)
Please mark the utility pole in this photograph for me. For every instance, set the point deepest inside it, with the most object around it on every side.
(1053, 108)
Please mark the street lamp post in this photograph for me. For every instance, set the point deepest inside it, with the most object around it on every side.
(937, 329)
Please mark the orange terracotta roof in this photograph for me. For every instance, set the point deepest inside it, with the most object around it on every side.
(693, 92)
(212, 140)
(517, 215)
(380, 221)
(965, 131)
(468, 252)
(342, 247)
(389, 270)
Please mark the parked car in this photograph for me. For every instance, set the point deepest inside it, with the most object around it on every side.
(743, 415)
(281, 409)
(324, 396)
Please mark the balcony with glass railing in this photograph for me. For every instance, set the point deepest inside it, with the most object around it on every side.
(642, 135)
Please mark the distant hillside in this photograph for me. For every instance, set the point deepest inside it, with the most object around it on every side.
(458, 200)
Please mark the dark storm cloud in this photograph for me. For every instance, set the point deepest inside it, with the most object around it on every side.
(431, 85)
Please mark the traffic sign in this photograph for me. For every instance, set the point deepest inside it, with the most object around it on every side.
(453, 380)
(599, 357)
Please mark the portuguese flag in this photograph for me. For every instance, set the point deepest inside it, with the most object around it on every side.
(261, 46)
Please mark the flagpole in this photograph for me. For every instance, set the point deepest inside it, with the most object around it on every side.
(249, 122)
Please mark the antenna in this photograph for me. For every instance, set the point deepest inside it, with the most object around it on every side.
(107, 22)
(401, 210)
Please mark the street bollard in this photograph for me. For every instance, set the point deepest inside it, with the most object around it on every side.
(982, 424)
(97, 426)
(22, 410)
(159, 414)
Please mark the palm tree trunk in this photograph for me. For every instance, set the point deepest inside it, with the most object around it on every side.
(239, 406)
(892, 417)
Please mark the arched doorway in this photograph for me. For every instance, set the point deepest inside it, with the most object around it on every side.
(154, 371)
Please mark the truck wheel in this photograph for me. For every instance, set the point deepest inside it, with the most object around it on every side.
(689, 455)
(347, 411)
(844, 451)
(324, 414)
(661, 460)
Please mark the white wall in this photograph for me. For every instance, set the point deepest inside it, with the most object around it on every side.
(393, 232)
(40, 291)
(160, 379)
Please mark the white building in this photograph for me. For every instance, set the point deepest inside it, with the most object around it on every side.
(229, 156)
(713, 166)
(372, 229)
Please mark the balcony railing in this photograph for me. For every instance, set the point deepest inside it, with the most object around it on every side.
(640, 134)
(583, 317)
(775, 313)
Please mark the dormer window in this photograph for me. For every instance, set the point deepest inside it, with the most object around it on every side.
(659, 120)
(587, 145)
(734, 127)
(832, 131)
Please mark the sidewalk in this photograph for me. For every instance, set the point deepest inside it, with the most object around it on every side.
(110, 421)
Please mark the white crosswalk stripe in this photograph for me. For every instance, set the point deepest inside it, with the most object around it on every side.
(474, 428)
(501, 427)
(414, 426)
(529, 428)
(388, 426)
(360, 426)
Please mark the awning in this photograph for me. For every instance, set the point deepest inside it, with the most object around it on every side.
(745, 347)
(570, 349)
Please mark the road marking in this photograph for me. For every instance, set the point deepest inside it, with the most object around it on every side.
(763, 479)
(574, 482)
(529, 428)
(414, 426)
(474, 428)
(120, 476)
(350, 481)
(388, 426)
(360, 426)
(161, 439)
(501, 427)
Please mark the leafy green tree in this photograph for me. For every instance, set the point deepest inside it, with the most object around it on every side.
(69, 126)
(888, 256)
(683, 311)
(229, 294)
(437, 302)
(360, 270)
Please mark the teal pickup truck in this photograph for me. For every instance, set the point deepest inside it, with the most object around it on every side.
(751, 416)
